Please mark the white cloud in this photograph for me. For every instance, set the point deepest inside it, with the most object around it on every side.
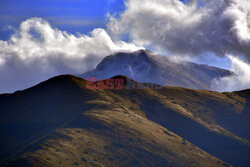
(237, 82)
(38, 51)
(218, 27)
(187, 29)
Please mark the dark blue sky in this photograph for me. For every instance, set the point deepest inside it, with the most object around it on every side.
(70, 15)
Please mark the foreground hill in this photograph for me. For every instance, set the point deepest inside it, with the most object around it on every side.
(61, 123)
(145, 66)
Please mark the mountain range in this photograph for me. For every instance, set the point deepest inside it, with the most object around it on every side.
(60, 122)
(146, 66)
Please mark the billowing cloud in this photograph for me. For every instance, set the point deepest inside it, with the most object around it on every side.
(220, 27)
(237, 82)
(201, 27)
(38, 51)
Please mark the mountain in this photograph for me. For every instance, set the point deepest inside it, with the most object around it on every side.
(145, 66)
(60, 122)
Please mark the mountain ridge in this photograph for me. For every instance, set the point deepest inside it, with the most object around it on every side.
(114, 121)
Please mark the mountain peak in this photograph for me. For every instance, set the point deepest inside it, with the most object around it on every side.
(124, 57)
(146, 66)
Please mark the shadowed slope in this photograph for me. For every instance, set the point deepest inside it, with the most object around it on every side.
(60, 122)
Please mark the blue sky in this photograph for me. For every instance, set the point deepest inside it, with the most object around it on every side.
(71, 15)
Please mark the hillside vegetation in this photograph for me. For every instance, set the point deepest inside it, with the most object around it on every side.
(61, 123)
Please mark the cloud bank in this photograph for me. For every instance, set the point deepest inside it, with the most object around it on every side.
(239, 82)
(187, 29)
(37, 51)
(218, 28)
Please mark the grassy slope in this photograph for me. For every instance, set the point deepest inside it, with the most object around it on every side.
(123, 127)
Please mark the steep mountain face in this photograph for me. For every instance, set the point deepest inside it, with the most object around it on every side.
(145, 66)
(61, 123)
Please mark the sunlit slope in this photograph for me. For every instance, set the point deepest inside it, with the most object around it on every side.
(60, 122)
